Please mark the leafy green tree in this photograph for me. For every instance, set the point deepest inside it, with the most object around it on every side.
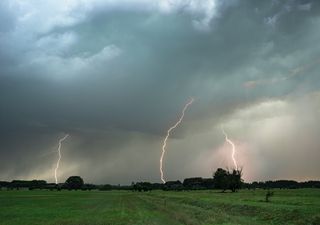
(224, 179)
(220, 179)
(234, 180)
(74, 182)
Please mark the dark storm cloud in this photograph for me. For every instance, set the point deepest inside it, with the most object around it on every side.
(115, 76)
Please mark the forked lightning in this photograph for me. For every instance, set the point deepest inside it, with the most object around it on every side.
(168, 135)
(233, 148)
(59, 158)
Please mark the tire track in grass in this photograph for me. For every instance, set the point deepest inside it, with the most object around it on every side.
(250, 214)
(171, 210)
(144, 213)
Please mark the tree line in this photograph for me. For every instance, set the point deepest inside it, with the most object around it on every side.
(282, 184)
(222, 180)
(72, 183)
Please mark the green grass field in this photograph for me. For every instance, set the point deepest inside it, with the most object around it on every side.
(158, 207)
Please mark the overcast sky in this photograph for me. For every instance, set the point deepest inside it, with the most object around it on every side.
(115, 75)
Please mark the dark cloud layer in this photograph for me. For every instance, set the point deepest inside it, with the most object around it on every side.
(116, 75)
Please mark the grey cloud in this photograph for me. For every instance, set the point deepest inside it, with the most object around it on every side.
(116, 78)
(7, 20)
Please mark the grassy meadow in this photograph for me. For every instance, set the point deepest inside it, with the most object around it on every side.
(158, 207)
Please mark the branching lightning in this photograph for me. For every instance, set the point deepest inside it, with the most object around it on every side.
(233, 148)
(168, 135)
(59, 158)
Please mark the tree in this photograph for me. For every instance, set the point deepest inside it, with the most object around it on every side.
(105, 187)
(194, 183)
(173, 186)
(74, 182)
(224, 179)
(220, 179)
(234, 180)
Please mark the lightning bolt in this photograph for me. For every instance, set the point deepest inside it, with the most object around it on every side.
(59, 158)
(233, 148)
(168, 135)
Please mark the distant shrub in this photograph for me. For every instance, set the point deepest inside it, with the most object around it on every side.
(269, 194)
